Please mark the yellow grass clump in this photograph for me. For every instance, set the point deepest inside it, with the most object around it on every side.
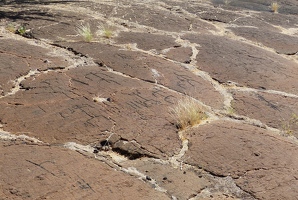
(85, 32)
(274, 7)
(187, 112)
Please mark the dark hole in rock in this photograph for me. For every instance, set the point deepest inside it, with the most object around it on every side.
(105, 143)
(129, 155)
(256, 154)
(109, 99)
(95, 151)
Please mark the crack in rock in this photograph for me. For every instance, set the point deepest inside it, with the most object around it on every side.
(4, 135)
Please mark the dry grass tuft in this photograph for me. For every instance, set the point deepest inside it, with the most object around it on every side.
(85, 32)
(274, 7)
(288, 126)
(106, 31)
(187, 112)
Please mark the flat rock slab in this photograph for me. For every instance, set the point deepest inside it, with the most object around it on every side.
(228, 60)
(81, 105)
(274, 110)
(183, 184)
(261, 162)
(180, 54)
(147, 41)
(43, 172)
(281, 43)
(150, 69)
(99, 111)
(18, 58)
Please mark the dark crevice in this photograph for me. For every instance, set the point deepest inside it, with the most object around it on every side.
(213, 20)
(22, 87)
(129, 155)
(101, 64)
(288, 54)
(219, 81)
(247, 192)
(70, 49)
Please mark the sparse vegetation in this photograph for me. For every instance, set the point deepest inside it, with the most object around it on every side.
(85, 32)
(187, 112)
(11, 28)
(231, 110)
(274, 7)
(287, 126)
(106, 31)
(227, 2)
(21, 30)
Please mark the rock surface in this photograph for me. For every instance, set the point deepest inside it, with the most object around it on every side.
(93, 120)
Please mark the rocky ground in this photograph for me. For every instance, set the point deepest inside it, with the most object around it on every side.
(92, 120)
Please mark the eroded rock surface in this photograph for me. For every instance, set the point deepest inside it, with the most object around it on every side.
(92, 119)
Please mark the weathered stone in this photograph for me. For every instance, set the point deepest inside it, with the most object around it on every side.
(167, 20)
(229, 60)
(261, 162)
(281, 43)
(45, 172)
(183, 184)
(59, 107)
(276, 111)
(18, 58)
(254, 22)
(115, 98)
(147, 41)
(285, 21)
(151, 69)
(180, 54)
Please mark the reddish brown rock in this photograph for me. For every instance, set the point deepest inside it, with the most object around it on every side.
(229, 60)
(117, 100)
(283, 44)
(254, 22)
(274, 110)
(147, 41)
(167, 20)
(43, 172)
(18, 58)
(285, 20)
(84, 103)
(182, 184)
(180, 54)
(151, 69)
(262, 163)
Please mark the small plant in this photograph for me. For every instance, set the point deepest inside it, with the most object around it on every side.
(274, 7)
(85, 32)
(11, 28)
(187, 112)
(227, 2)
(230, 110)
(287, 127)
(106, 31)
(21, 30)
